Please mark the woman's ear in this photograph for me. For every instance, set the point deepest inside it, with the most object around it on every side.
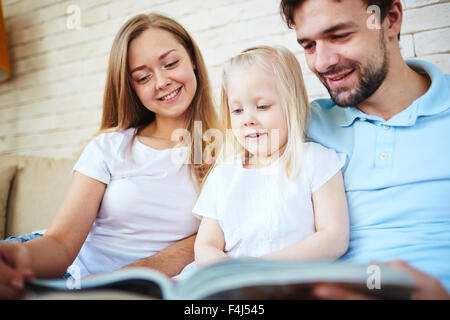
(393, 20)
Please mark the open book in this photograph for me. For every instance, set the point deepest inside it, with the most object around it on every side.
(235, 280)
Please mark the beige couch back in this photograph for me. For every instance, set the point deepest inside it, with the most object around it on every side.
(37, 190)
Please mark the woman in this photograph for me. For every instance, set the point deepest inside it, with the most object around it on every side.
(129, 199)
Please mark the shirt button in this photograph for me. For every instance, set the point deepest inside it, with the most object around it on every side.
(385, 127)
(384, 156)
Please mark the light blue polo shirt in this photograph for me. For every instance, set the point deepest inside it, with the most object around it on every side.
(397, 176)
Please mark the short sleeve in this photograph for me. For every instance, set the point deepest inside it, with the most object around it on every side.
(323, 164)
(94, 160)
(206, 205)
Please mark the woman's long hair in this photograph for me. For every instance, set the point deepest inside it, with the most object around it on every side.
(122, 108)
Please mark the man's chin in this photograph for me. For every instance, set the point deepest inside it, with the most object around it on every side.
(343, 102)
(344, 99)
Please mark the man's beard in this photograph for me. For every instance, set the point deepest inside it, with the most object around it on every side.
(371, 77)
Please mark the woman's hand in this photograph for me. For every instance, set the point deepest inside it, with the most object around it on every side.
(15, 262)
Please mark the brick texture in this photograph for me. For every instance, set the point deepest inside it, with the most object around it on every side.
(52, 104)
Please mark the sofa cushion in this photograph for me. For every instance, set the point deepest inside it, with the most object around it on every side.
(6, 176)
(37, 192)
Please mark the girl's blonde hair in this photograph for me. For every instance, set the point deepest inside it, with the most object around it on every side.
(122, 108)
(287, 76)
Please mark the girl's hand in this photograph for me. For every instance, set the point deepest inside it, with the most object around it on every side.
(15, 262)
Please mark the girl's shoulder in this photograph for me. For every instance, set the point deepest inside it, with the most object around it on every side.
(224, 168)
(320, 160)
(314, 150)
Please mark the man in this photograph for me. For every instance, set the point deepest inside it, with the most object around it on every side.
(392, 120)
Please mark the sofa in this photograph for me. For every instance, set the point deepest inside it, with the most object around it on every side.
(31, 191)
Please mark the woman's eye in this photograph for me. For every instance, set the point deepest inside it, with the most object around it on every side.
(170, 65)
(145, 78)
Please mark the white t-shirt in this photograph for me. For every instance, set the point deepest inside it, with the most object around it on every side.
(146, 206)
(261, 210)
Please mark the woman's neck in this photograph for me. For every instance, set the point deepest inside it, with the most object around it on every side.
(163, 133)
(163, 129)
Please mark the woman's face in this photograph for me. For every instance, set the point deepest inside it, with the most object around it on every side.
(162, 73)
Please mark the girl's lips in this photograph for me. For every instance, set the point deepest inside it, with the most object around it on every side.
(167, 101)
(255, 135)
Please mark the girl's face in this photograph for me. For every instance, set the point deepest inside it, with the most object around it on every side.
(162, 73)
(257, 117)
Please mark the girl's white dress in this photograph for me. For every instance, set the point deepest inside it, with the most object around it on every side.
(261, 210)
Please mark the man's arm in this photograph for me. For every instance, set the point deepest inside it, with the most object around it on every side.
(171, 260)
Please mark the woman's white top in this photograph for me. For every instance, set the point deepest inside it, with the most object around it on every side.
(147, 205)
(261, 210)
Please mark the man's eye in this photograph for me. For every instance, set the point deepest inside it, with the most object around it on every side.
(309, 46)
(340, 36)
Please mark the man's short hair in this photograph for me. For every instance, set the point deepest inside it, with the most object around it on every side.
(288, 7)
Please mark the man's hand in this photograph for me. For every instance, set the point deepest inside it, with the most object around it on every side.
(425, 287)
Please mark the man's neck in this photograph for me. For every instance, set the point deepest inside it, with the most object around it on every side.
(398, 91)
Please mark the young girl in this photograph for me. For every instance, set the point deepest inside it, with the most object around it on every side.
(274, 196)
(128, 199)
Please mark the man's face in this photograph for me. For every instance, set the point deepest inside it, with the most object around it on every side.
(342, 48)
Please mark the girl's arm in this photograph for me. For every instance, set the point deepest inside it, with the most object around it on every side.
(330, 241)
(210, 243)
(51, 254)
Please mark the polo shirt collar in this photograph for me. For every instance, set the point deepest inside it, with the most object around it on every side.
(434, 101)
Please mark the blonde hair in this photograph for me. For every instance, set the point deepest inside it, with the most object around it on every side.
(288, 79)
(122, 108)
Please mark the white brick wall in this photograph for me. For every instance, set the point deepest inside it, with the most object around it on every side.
(53, 102)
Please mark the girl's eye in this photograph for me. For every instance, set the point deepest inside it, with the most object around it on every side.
(265, 107)
(236, 111)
